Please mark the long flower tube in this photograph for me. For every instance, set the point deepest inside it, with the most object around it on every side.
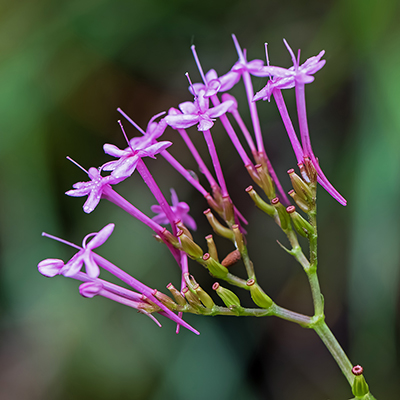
(243, 67)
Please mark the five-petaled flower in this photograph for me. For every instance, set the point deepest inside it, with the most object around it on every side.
(197, 112)
(93, 188)
(142, 146)
(85, 256)
(180, 209)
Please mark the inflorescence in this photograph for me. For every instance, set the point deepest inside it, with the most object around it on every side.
(209, 104)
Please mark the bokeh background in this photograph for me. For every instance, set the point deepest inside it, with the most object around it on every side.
(65, 66)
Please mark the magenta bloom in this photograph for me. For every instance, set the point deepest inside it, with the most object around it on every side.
(93, 188)
(85, 256)
(143, 146)
(216, 83)
(197, 112)
(180, 210)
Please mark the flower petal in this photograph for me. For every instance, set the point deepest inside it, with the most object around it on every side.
(182, 121)
(50, 267)
(101, 236)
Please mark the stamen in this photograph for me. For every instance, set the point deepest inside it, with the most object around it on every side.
(298, 57)
(196, 58)
(131, 121)
(266, 53)
(126, 137)
(291, 53)
(191, 85)
(238, 48)
(78, 165)
(61, 240)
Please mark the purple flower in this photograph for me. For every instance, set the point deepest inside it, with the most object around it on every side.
(276, 83)
(197, 112)
(287, 78)
(180, 210)
(93, 188)
(51, 267)
(215, 83)
(143, 146)
(85, 256)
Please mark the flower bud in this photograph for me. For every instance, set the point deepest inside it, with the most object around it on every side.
(299, 186)
(266, 182)
(228, 297)
(258, 295)
(303, 227)
(90, 289)
(260, 203)
(183, 228)
(232, 258)
(299, 201)
(238, 238)
(192, 298)
(170, 238)
(360, 387)
(253, 174)
(166, 300)
(283, 215)
(189, 247)
(218, 227)
(204, 297)
(177, 295)
(214, 267)
(50, 267)
(212, 249)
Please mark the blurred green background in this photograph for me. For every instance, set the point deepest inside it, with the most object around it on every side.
(65, 66)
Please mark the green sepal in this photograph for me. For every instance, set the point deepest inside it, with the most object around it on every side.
(360, 387)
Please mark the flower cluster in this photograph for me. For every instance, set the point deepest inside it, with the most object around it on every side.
(209, 104)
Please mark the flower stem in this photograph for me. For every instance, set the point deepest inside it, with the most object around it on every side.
(322, 330)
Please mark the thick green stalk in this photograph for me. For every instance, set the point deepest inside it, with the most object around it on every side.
(335, 349)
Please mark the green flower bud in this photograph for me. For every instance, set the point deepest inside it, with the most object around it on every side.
(192, 298)
(299, 201)
(360, 386)
(228, 297)
(189, 246)
(204, 297)
(238, 238)
(212, 249)
(283, 215)
(185, 230)
(177, 295)
(214, 267)
(266, 182)
(303, 227)
(260, 203)
(253, 174)
(299, 186)
(167, 301)
(170, 238)
(258, 295)
(218, 227)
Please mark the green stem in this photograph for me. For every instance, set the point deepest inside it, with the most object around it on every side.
(335, 349)
(316, 292)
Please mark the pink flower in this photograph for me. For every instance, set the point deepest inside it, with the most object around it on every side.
(85, 256)
(197, 112)
(93, 188)
(180, 210)
(143, 146)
